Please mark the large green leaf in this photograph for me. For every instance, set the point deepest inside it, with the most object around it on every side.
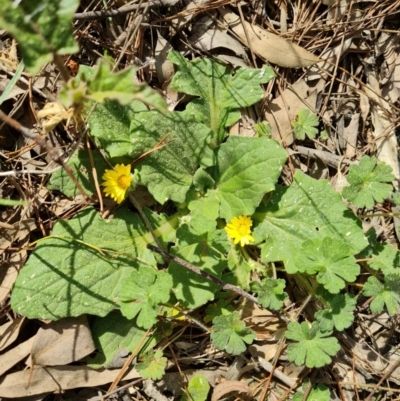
(206, 251)
(41, 27)
(114, 333)
(306, 210)
(247, 168)
(221, 92)
(168, 172)
(80, 269)
(82, 170)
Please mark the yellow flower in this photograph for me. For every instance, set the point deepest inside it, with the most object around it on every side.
(239, 230)
(117, 181)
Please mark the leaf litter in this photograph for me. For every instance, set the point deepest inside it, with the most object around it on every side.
(322, 64)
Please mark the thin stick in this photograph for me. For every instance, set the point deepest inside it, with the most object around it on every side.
(159, 145)
(115, 13)
(42, 142)
(209, 277)
(145, 219)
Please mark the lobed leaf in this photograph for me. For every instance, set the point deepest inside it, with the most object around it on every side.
(386, 294)
(366, 182)
(152, 366)
(339, 313)
(305, 124)
(330, 258)
(308, 209)
(270, 292)
(141, 294)
(231, 334)
(313, 347)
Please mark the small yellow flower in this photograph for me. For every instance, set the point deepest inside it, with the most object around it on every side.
(117, 181)
(239, 230)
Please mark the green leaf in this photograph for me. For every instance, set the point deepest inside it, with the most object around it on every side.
(305, 124)
(382, 255)
(202, 181)
(263, 129)
(82, 171)
(221, 307)
(247, 168)
(308, 209)
(324, 135)
(386, 294)
(331, 259)
(197, 390)
(41, 27)
(81, 268)
(366, 182)
(271, 294)
(141, 294)
(115, 332)
(205, 251)
(231, 334)
(121, 86)
(313, 347)
(339, 313)
(240, 268)
(11, 202)
(204, 211)
(168, 172)
(396, 198)
(152, 366)
(318, 393)
(220, 93)
(110, 126)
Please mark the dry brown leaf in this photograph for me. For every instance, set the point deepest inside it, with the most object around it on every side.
(227, 387)
(62, 206)
(17, 233)
(215, 38)
(56, 379)
(295, 98)
(267, 349)
(350, 135)
(9, 332)
(8, 58)
(383, 128)
(269, 46)
(64, 341)
(15, 264)
(15, 355)
(165, 68)
(261, 320)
